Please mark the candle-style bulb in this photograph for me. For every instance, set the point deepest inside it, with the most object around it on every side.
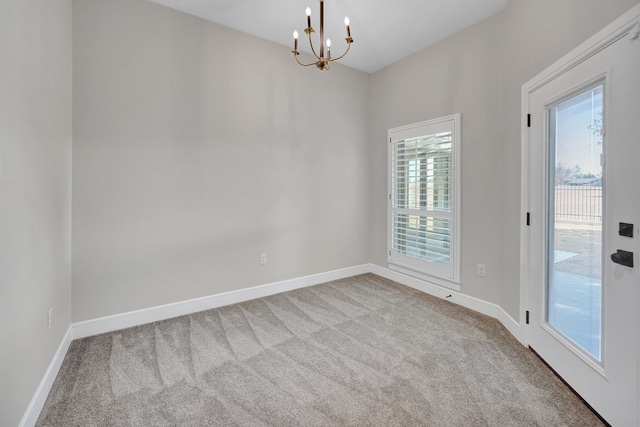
(295, 35)
(295, 40)
(346, 22)
(328, 43)
(308, 17)
(308, 11)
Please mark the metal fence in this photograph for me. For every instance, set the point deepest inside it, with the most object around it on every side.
(578, 203)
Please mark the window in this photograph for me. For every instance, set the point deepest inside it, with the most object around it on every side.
(424, 200)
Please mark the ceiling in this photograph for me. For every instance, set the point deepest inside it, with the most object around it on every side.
(383, 31)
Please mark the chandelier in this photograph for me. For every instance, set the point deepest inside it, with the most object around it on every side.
(323, 62)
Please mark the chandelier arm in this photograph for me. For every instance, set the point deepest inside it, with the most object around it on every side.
(311, 44)
(295, 55)
(341, 56)
(323, 63)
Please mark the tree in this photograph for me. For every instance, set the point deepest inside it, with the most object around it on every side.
(597, 128)
(565, 173)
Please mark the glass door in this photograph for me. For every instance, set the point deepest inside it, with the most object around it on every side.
(582, 314)
(574, 219)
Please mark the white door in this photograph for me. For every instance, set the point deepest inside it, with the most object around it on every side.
(583, 190)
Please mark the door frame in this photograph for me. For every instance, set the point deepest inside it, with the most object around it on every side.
(628, 23)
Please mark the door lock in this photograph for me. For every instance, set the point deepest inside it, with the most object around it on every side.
(625, 229)
(623, 258)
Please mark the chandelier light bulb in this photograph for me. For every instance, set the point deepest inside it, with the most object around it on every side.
(328, 43)
(295, 34)
(346, 21)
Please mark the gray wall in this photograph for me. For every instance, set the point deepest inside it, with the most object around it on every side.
(35, 194)
(479, 73)
(196, 148)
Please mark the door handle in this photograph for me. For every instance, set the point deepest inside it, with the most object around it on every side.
(623, 258)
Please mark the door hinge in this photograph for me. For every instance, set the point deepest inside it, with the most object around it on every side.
(528, 120)
(635, 33)
(528, 218)
(527, 317)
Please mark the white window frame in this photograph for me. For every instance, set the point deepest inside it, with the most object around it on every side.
(447, 276)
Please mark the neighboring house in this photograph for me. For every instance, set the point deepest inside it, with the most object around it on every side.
(594, 182)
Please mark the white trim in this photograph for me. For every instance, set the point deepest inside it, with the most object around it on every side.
(153, 314)
(396, 266)
(524, 209)
(459, 298)
(32, 413)
(163, 312)
(475, 304)
(409, 265)
(627, 23)
(168, 311)
(512, 326)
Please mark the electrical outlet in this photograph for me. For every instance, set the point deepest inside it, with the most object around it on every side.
(481, 270)
(263, 259)
(49, 318)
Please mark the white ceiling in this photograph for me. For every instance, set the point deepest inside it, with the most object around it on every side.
(383, 31)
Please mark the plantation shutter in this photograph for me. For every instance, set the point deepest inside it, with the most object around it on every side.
(422, 199)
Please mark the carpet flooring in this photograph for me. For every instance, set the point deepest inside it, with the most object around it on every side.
(362, 351)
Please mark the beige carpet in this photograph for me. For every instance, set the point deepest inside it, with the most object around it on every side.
(362, 351)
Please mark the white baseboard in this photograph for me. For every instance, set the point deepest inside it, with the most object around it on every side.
(32, 413)
(512, 326)
(459, 298)
(168, 311)
(475, 304)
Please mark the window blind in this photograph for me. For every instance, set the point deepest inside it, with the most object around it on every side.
(423, 200)
(421, 175)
